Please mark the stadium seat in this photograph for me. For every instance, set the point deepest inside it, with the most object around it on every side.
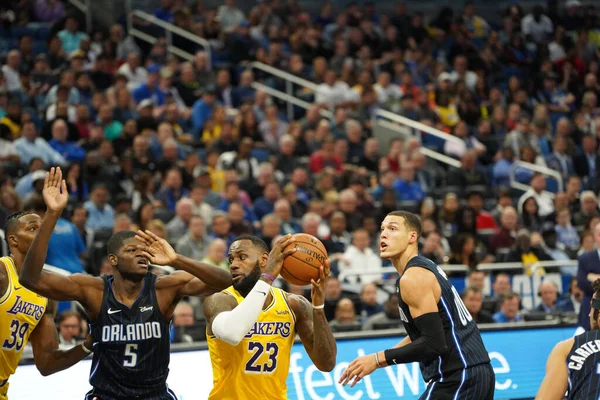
(261, 155)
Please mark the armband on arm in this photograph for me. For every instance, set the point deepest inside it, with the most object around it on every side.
(430, 345)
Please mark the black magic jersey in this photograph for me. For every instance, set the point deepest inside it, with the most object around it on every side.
(465, 347)
(583, 363)
(131, 356)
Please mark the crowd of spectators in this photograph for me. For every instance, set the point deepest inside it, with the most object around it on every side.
(191, 151)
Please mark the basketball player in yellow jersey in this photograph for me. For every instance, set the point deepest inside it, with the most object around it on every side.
(26, 316)
(252, 326)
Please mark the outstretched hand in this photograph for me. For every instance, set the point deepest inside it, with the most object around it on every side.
(55, 191)
(158, 250)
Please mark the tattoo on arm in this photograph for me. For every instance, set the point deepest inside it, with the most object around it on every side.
(315, 333)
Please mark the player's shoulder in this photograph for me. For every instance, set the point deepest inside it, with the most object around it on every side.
(298, 304)
(417, 275)
(564, 347)
(95, 282)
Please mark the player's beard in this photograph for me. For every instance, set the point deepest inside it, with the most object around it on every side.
(245, 285)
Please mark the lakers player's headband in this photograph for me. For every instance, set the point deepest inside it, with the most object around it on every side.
(596, 304)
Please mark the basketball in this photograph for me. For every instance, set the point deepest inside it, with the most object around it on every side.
(302, 266)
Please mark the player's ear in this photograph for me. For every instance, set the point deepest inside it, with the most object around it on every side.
(412, 237)
(13, 241)
(263, 260)
(113, 260)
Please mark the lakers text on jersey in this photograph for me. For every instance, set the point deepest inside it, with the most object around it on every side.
(257, 368)
(20, 312)
(131, 356)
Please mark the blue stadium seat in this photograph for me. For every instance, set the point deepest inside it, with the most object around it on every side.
(39, 46)
(18, 31)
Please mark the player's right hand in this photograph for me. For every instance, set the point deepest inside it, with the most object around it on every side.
(278, 254)
(55, 191)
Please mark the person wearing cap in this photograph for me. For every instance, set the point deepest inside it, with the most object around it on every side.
(70, 36)
(150, 89)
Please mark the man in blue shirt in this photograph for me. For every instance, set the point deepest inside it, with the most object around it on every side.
(100, 214)
(70, 37)
(509, 309)
(407, 188)
(202, 110)
(69, 150)
(150, 90)
(66, 247)
(30, 146)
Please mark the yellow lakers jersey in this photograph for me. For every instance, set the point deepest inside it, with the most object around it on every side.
(257, 368)
(20, 312)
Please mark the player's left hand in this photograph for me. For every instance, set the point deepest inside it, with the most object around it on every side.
(358, 369)
(158, 250)
(55, 191)
(318, 287)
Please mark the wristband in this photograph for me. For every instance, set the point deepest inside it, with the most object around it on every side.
(322, 306)
(377, 360)
(271, 277)
(88, 351)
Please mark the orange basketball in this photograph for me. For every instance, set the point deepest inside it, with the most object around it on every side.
(302, 266)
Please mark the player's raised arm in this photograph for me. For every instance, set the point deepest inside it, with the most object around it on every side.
(418, 287)
(208, 278)
(312, 325)
(49, 359)
(32, 276)
(230, 321)
(555, 382)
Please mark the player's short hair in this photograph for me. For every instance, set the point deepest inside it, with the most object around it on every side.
(12, 221)
(116, 241)
(256, 241)
(411, 221)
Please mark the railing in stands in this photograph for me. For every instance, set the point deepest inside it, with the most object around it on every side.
(425, 151)
(536, 168)
(290, 80)
(170, 29)
(417, 125)
(289, 99)
(391, 270)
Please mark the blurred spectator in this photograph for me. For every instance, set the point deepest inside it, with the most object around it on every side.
(588, 270)
(536, 26)
(70, 151)
(382, 320)
(283, 211)
(567, 234)
(345, 316)
(476, 278)
(587, 163)
(472, 296)
(11, 71)
(179, 224)
(589, 208)
(509, 309)
(333, 293)
(506, 236)
(101, 215)
(368, 299)
(359, 258)
(432, 248)
(239, 225)
(500, 286)
(199, 205)
(270, 228)
(183, 316)
(171, 190)
(69, 329)
(572, 301)
(202, 110)
(266, 204)
(66, 248)
(229, 16)
(528, 250)
(463, 251)
(49, 11)
(407, 187)
(71, 37)
(549, 294)
(537, 191)
(221, 227)
(216, 254)
(194, 244)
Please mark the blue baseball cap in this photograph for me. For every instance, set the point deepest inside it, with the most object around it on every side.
(154, 69)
